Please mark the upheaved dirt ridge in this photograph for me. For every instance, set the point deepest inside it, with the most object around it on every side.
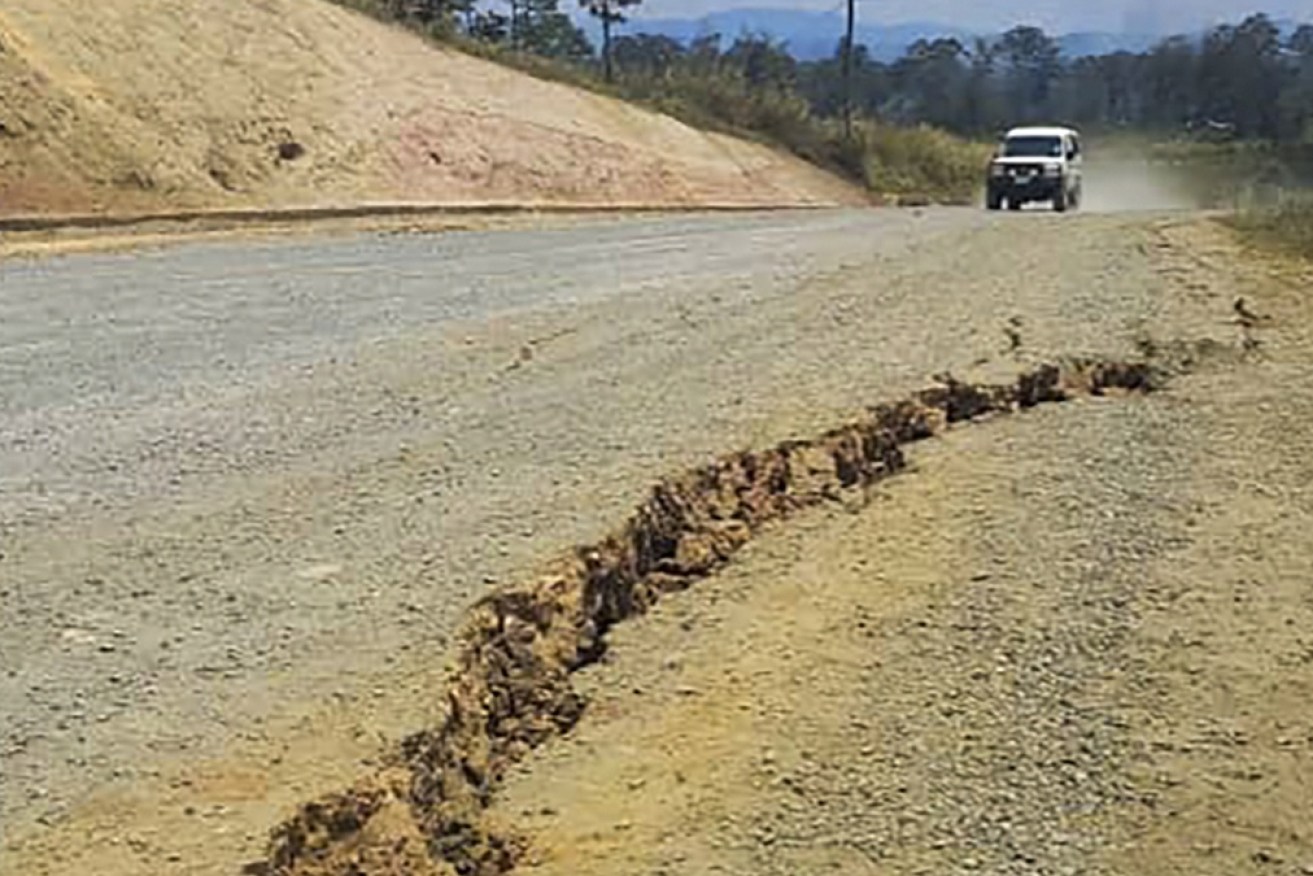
(123, 106)
(511, 689)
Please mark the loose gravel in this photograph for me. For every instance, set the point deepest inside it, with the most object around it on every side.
(240, 482)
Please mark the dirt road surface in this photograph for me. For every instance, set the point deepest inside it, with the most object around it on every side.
(247, 490)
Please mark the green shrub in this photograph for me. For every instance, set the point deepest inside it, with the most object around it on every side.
(921, 161)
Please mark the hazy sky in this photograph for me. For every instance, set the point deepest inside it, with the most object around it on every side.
(1057, 15)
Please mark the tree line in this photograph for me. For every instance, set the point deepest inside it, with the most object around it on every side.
(1248, 80)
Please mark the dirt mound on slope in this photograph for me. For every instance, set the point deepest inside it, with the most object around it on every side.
(125, 104)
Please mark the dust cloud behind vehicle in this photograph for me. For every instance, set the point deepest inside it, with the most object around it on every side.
(1120, 180)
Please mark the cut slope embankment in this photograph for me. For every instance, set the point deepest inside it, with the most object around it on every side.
(128, 106)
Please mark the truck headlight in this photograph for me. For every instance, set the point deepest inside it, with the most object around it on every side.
(997, 170)
(1053, 170)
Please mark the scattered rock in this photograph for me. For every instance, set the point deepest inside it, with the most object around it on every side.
(290, 150)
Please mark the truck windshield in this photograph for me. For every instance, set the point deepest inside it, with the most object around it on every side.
(1032, 147)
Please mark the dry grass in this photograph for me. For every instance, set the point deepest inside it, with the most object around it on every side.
(921, 161)
(1286, 225)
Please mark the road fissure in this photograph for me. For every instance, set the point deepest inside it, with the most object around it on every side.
(511, 690)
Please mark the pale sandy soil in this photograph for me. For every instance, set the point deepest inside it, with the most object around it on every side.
(130, 105)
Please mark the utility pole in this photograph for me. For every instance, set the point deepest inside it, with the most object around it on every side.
(607, 17)
(848, 71)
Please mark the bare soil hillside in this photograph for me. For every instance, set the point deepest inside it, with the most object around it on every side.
(134, 105)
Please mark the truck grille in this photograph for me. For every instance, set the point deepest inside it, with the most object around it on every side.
(1025, 170)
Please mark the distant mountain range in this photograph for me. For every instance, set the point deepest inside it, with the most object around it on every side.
(814, 35)
(810, 35)
(1080, 45)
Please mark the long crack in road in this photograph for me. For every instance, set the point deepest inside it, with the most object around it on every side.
(247, 493)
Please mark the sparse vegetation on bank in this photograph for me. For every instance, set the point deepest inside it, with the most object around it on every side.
(752, 89)
(1268, 187)
(1286, 225)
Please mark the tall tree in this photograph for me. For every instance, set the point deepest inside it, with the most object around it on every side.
(933, 77)
(1240, 72)
(1034, 63)
(1296, 101)
(982, 104)
(645, 56)
(704, 54)
(545, 30)
(489, 25)
(764, 63)
(822, 82)
(1169, 84)
(440, 15)
(609, 13)
(1301, 41)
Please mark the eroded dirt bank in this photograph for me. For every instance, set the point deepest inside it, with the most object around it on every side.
(302, 103)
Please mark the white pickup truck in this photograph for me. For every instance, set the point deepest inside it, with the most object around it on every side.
(1036, 164)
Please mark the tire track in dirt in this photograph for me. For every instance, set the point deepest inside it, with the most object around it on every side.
(511, 690)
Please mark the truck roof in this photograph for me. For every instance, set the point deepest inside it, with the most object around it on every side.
(1042, 132)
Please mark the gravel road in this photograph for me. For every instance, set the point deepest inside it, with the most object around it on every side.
(247, 488)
